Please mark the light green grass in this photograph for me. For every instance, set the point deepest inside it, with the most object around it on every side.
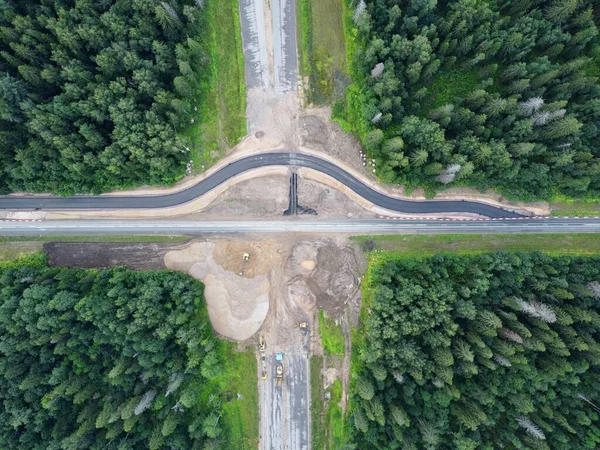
(240, 417)
(334, 418)
(38, 259)
(322, 48)
(575, 208)
(472, 244)
(449, 86)
(12, 250)
(317, 399)
(332, 336)
(304, 35)
(222, 114)
(348, 112)
(327, 419)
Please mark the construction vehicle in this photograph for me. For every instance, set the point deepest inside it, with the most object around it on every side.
(279, 359)
(264, 374)
(304, 328)
(245, 258)
(262, 345)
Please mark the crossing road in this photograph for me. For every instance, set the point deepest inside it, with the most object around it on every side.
(107, 202)
(370, 226)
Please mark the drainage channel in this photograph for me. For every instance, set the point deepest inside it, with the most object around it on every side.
(294, 208)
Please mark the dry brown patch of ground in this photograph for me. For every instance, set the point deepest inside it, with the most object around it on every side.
(328, 201)
(317, 131)
(259, 197)
(320, 273)
(105, 255)
(263, 256)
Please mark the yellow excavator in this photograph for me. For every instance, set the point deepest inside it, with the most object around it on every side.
(245, 259)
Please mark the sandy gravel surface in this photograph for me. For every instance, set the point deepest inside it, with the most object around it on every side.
(273, 116)
(237, 304)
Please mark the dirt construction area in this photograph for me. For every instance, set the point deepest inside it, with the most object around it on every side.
(285, 280)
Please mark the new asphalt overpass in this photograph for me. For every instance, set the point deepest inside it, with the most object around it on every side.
(107, 202)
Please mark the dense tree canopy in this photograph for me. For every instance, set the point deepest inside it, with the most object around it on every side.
(487, 352)
(93, 93)
(110, 359)
(483, 93)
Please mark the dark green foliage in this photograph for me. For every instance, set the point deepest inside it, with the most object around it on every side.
(508, 91)
(108, 359)
(94, 93)
(486, 352)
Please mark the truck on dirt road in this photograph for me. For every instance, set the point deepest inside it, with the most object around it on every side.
(279, 359)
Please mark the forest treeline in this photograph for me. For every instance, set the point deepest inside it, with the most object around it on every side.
(93, 94)
(481, 93)
(111, 359)
(481, 353)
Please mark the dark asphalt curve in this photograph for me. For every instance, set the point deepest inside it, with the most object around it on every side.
(243, 165)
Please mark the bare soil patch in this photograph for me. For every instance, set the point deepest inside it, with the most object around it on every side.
(329, 202)
(317, 274)
(273, 116)
(317, 131)
(105, 255)
(263, 256)
(258, 197)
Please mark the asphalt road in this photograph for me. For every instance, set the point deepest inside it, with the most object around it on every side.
(271, 408)
(105, 202)
(371, 226)
(297, 400)
(284, 45)
(285, 419)
(252, 15)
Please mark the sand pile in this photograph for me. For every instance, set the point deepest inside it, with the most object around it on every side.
(237, 305)
(308, 265)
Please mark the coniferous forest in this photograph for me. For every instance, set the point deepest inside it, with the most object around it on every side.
(93, 94)
(483, 93)
(485, 352)
(111, 359)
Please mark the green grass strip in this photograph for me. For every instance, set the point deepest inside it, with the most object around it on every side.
(222, 112)
(240, 416)
(332, 336)
(38, 259)
(317, 396)
(473, 244)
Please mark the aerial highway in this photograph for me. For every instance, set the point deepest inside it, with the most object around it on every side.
(105, 202)
(362, 226)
